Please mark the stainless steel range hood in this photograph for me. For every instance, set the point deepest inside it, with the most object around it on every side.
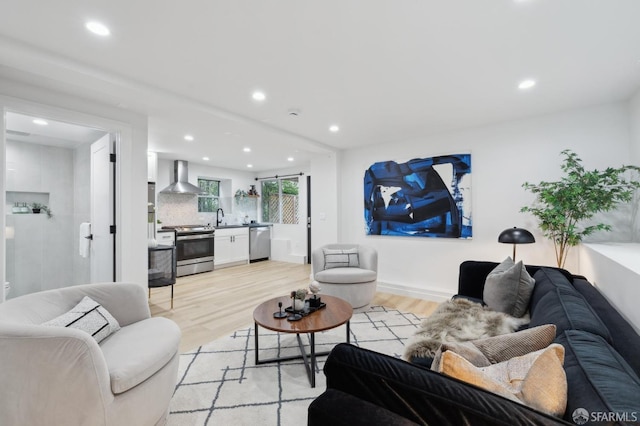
(180, 184)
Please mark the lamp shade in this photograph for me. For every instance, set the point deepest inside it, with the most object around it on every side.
(516, 236)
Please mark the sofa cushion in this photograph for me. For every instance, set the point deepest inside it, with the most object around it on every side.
(491, 350)
(88, 316)
(341, 258)
(568, 310)
(337, 408)
(346, 276)
(536, 379)
(422, 395)
(153, 341)
(547, 280)
(625, 340)
(508, 288)
(599, 379)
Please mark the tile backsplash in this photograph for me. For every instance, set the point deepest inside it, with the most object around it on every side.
(178, 209)
(182, 209)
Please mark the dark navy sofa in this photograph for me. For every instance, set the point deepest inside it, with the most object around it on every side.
(602, 364)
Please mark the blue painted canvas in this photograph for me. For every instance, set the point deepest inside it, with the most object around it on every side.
(424, 197)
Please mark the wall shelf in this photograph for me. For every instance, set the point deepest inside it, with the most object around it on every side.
(28, 197)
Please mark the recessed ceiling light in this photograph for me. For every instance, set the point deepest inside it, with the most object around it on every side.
(247, 149)
(40, 122)
(334, 128)
(526, 84)
(205, 158)
(259, 96)
(290, 159)
(98, 28)
(188, 138)
(249, 165)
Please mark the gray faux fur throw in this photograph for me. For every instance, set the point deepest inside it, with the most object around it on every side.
(458, 320)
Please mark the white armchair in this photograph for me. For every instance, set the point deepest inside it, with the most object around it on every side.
(62, 376)
(347, 271)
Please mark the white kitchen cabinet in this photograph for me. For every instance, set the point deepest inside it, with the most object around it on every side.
(166, 238)
(231, 246)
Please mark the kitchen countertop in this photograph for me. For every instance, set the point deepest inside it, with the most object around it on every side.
(250, 225)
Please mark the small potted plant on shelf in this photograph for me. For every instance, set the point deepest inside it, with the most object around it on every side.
(240, 194)
(36, 208)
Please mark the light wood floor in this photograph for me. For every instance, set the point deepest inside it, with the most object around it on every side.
(213, 304)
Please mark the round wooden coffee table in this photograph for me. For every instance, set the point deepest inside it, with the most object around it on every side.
(336, 313)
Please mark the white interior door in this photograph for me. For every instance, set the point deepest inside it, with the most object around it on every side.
(102, 251)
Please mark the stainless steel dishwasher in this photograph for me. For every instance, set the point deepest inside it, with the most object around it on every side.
(259, 242)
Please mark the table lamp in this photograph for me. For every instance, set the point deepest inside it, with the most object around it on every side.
(516, 236)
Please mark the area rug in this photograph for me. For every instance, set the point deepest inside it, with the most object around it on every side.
(219, 383)
(459, 320)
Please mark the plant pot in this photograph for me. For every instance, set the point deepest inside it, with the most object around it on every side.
(35, 211)
(298, 304)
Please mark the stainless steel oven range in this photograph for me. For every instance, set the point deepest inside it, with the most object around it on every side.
(194, 248)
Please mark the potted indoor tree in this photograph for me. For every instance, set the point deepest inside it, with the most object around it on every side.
(562, 207)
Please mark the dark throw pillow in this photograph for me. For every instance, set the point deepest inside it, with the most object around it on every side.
(508, 288)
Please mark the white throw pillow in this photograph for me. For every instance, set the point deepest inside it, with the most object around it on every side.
(341, 258)
(88, 316)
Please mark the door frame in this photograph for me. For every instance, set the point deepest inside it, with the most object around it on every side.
(123, 144)
(309, 219)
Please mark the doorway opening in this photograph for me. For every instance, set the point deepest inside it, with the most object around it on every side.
(50, 166)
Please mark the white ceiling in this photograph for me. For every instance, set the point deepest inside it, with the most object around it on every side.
(384, 71)
(22, 128)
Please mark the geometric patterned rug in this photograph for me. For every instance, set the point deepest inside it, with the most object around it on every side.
(219, 383)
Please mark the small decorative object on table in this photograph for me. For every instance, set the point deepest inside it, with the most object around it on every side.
(280, 314)
(315, 301)
(295, 308)
(300, 307)
(298, 298)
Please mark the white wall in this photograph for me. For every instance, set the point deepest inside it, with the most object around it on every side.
(503, 157)
(634, 126)
(614, 269)
(325, 198)
(131, 261)
(40, 254)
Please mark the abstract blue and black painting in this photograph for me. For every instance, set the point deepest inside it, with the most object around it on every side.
(424, 197)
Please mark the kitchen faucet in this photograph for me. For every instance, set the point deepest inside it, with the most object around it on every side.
(218, 221)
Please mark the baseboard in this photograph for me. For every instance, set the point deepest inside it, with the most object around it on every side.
(435, 295)
(291, 258)
(226, 265)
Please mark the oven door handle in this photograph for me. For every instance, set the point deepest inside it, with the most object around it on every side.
(195, 237)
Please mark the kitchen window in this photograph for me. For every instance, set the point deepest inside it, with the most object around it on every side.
(280, 200)
(210, 201)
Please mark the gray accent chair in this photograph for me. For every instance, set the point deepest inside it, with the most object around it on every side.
(355, 285)
(62, 376)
